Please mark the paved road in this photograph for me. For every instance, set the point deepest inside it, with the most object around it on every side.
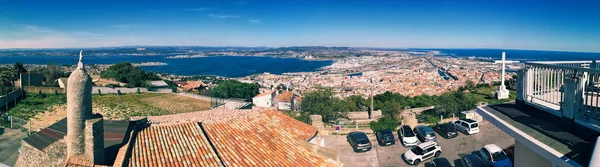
(452, 149)
(10, 141)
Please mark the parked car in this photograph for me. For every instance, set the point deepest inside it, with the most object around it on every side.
(425, 133)
(446, 130)
(359, 141)
(472, 160)
(468, 126)
(422, 152)
(493, 155)
(385, 137)
(510, 151)
(439, 162)
(407, 136)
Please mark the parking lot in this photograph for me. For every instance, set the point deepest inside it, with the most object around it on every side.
(452, 149)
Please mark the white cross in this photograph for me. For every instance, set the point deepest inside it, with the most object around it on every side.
(503, 61)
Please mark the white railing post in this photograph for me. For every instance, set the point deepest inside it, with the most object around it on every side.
(522, 85)
(573, 96)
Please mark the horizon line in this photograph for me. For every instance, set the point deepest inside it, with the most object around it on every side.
(224, 46)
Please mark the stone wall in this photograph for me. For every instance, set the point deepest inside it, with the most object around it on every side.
(94, 140)
(316, 121)
(358, 115)
(46, 90)
(52, 156)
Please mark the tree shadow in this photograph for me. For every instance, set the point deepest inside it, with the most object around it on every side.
(1, 131)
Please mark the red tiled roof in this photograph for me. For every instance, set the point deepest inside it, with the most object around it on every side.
(196, 84)
(268, 139)
(173, 145)
(239, 137)
(285, 96)
(263, 94)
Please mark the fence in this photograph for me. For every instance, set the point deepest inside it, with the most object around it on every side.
(9, 97)
(13, 122)
(548, 83)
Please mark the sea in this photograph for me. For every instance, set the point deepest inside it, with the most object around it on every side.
(240, 66)
(226, 66)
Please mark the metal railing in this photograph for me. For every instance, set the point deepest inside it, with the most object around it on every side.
(545, 84)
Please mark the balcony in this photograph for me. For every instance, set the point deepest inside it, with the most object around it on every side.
(556, 113)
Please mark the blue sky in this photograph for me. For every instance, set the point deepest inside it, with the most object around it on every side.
(542, 25)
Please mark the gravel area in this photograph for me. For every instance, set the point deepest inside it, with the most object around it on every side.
(452, 149)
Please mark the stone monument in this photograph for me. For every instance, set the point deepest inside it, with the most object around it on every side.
(502, 93)
(84, 131)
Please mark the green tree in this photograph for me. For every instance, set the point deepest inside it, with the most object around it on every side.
(321, 102)
(125, 72)
(469, 85)
(384, 123)
(454, 102)
(235, 89)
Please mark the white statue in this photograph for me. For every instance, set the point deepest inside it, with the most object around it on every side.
(80, 64)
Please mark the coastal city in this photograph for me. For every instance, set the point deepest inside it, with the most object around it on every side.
(246, 83)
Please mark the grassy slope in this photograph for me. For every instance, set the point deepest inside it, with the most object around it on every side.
(113, 106)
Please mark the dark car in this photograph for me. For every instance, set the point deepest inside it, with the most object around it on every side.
(359, 141)
(446, 130)
(385, 137)
(472, 160)
(425, 133)
(510, 151)
(439, 162)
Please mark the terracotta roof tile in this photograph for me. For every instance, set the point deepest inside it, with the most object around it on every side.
(173, 145)
(264, 94)
(284, 96)
(268, 139)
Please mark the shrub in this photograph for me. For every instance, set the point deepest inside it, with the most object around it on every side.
(55, 92)
(138, 91)
(99, 92)
(385, 122)
(119, 92)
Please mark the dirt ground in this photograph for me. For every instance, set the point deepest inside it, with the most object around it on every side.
(48, 118)
(177, 104)
(10, 141)
(452, 149)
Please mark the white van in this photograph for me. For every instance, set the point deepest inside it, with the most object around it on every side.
(468, 126)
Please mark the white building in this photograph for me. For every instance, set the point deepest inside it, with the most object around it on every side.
(264, 99)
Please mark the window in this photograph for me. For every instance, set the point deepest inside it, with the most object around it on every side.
(498, 156)
(408, 133)
(475, 125)
(464, 124)
(486, 154)
(417, 150)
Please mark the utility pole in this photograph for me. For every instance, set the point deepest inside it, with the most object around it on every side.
(371, 108)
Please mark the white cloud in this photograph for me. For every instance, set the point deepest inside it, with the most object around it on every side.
(42, 37)
(253, 21)
(223, 16)
(197, 9)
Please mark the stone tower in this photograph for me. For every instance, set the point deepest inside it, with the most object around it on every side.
(84, 131)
